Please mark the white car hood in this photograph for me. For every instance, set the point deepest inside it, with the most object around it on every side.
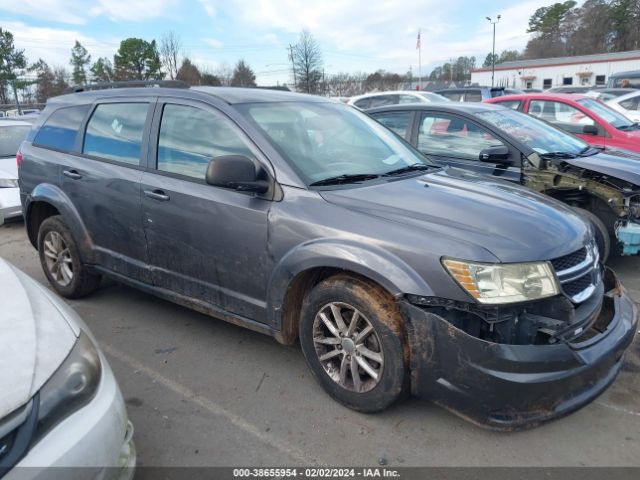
(35, 337)
(8, 168)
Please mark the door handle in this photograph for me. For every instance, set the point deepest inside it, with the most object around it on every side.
(157, 195)
(73, 174)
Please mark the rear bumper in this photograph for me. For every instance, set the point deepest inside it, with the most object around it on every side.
(506, 387)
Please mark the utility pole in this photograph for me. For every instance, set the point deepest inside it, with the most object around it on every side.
(419, 47)
(493, 54)
(293, 67)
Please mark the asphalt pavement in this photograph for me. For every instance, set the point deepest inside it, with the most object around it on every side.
(202, 392)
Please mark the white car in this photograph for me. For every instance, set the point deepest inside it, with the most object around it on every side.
(12, 133)
(628, 105)
(379, 99)
(60, 405)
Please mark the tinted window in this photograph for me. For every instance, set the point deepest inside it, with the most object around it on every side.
(190, 137)
(396, 121)
(449, 136)
(363, 103)
(409, 99)
(512, 104)
(60, 129)
(381, 100)
(10, 139)
(453, 96)
(473, 96)
(115, 132)
(631, 104)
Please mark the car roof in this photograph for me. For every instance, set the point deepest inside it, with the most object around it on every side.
(541, 96)
(10, 121)
(229, 95)
(631, 94)
(452, 107)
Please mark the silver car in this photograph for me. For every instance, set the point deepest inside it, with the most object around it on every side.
(60, 405)
(12, 133)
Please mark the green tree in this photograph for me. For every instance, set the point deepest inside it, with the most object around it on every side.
(189, 73)
(137, 59)
(551, 29)
(488, 61)
(210, 79)
(243, 76)
(12, 61)
(102, 70)
(80, 60)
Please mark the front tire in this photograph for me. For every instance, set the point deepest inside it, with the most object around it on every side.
(352, 337)
(61, 261)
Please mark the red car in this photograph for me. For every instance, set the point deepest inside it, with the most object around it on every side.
(589, 119)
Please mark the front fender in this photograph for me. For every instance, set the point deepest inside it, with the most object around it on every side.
(367, 260)
(54, 196)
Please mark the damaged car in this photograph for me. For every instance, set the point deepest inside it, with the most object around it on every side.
(306, 220)
(603, 185)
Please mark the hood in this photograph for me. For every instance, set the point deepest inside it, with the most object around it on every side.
(510, 221)
(36, 338)
(8, 168)
(620, 164)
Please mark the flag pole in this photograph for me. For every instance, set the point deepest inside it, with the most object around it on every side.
(419, 61)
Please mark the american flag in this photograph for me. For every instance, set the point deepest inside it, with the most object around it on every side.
(418, 42)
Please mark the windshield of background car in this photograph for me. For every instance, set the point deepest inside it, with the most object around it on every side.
(536, 134)
(10, 139)
(325, 140)
(433, 97)
(608, 114)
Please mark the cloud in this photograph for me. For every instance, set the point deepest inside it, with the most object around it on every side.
(215, 43)
(209, 7)
(63, 11)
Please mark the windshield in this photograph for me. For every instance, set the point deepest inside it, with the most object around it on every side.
(10, 139)
(433, 97)
(326, 140)
(536, 134)
(609, 115)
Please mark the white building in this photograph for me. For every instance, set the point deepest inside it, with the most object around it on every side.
(546, 73)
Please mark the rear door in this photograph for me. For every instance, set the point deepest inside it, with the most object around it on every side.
(398, 121)
(103, 182)
(205, 242)
(454, 140)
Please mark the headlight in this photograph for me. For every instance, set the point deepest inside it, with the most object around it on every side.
(495, 283)
(71, 387)
(8, 183)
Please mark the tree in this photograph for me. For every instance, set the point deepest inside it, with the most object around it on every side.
(189, 73)
(551, 29)
(509, 56)
(210, 79)
(307, 63)
(243, 76)
(11, 61)
(102, 70)
(80, 60)
(137, 59)
(170, 53)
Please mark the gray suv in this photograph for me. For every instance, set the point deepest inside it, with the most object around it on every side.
(306, 220)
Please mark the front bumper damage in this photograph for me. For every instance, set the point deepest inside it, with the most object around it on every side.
(508, 386)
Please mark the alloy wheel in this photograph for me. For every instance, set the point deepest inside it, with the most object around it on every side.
(58, 258)
(348, 347)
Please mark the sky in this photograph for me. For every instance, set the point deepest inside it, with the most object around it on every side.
(354, 35)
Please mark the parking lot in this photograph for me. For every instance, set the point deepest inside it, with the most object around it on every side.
(202, 392)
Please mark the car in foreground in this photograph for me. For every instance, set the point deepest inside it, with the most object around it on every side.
(60, 405)
(589, 119)
(12, 133)
(471, 94)
(376, 99)
(628, 105)
(604, 186)
(304, 219)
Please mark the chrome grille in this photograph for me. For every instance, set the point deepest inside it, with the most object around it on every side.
(578, 272)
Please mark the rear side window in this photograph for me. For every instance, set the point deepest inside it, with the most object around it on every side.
(396, 121)
(473, 96)
(115, 132)
(363, 103)
(453, 96)
(60, 129)
(512, 104)
(382, 100)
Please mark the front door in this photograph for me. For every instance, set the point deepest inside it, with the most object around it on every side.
(456, 141)
(204, 242)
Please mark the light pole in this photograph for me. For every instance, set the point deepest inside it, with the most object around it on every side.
(493, 54)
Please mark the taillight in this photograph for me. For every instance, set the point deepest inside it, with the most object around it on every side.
(19, 158)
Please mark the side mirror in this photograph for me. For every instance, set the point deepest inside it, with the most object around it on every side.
(238, 173)
(495, 154)
(590, 130)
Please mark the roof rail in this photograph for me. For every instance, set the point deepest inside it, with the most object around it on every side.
(127, 84)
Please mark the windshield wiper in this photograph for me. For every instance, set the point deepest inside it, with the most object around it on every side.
(631, 126)
(344, 179)
(410, 168)
(558, 155)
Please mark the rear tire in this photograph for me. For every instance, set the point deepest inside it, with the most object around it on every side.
(603, 240)
(373, 347)
(61, 261)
